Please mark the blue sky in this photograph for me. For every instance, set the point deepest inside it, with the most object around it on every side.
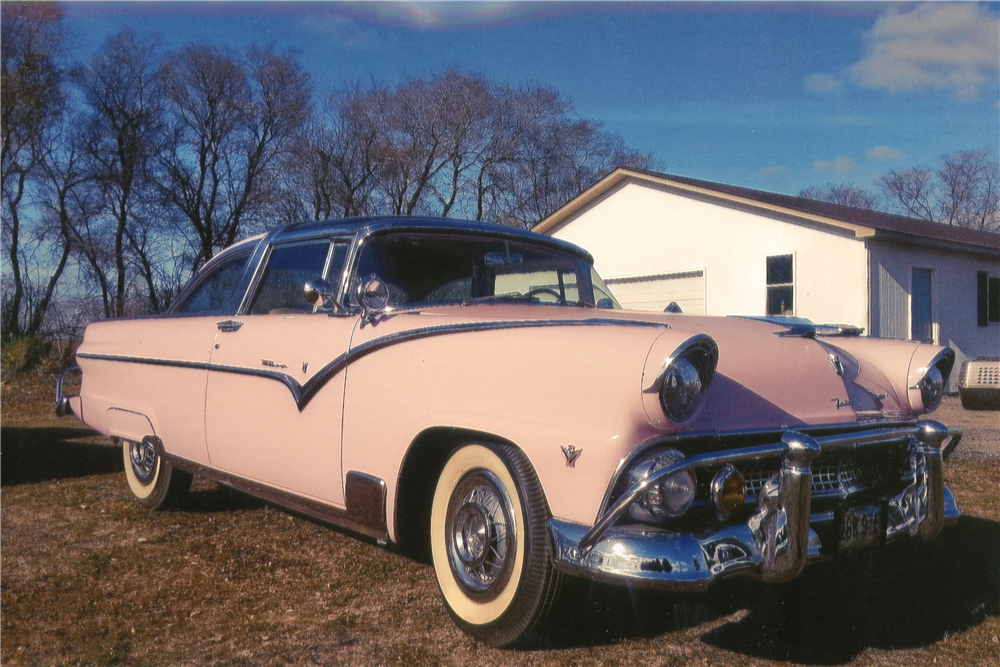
(776, 96)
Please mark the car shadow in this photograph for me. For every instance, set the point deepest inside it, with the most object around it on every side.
(906, 596)
(42, 454)
(216, 498)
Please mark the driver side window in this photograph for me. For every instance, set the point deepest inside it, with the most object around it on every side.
(289, 267)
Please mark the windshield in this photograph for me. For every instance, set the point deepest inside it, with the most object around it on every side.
(423, 269)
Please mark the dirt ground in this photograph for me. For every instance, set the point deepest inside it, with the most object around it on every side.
(88, 578)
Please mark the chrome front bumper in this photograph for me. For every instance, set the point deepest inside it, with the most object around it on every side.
(775, 543)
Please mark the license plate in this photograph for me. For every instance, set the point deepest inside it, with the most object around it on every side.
(862, 527)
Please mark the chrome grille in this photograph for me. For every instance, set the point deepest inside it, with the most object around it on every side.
(836, 473)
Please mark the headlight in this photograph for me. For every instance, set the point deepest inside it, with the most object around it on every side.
(928, 377)
(685, 377)
(668, 498)
(931, 388)
(682, 390)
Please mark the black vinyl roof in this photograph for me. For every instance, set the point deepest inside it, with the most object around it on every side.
(377, 224)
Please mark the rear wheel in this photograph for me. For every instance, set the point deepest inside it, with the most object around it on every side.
(490, 545)
(153, 481)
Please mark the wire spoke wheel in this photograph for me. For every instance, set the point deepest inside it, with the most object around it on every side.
(480, 535)
(143, 458)
(490, 543)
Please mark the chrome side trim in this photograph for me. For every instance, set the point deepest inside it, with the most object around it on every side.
(304, 393)
(364, 496)
(63, 406)
(313, 508)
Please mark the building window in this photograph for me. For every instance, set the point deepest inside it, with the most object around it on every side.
(780, 285)
(987, 298)
(994, 309)
(921, 305)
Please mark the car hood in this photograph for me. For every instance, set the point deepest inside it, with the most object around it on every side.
(765, 378)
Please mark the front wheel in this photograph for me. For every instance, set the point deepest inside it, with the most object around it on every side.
(490, 545)
(153, 481)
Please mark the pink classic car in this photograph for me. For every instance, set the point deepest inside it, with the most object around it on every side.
(479, 389)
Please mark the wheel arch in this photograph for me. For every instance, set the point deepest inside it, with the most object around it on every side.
(421, 465)
(127, 424)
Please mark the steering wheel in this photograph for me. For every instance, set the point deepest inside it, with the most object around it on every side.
(543, 290)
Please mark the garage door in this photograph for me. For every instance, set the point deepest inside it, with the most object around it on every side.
(655, 292)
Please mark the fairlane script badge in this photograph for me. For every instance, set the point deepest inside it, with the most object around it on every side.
(572, 454)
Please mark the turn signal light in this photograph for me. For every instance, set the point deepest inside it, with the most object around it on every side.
(728, 491)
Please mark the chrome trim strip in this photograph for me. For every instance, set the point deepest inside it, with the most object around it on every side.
(304, 393)
(364, 496)
(313, 508)
(704, 341)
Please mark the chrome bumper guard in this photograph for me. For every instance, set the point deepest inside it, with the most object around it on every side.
(63, 406)
(775, 543)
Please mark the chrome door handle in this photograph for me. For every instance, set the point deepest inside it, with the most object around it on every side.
(229, 325)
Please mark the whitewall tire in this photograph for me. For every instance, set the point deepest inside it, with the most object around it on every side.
(153, 481)
(490, 544)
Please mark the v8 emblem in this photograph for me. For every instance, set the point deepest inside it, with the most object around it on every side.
(572, 454)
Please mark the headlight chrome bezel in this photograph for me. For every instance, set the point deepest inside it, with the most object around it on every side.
(676, 381)
(929, 388)
(669, 498)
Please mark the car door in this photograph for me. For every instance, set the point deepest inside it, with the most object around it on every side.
(275, 392)
(172, 387)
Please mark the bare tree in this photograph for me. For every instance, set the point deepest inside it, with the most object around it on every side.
(845, 194)
(964, 191)
(912, 191)
(124, 134)
(231, 121)
(970, 190)
(338, 160)
(32, 102)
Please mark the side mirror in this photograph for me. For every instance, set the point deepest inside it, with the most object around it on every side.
(318, 291)
(373, 295)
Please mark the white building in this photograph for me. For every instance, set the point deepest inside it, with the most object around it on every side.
(724, 250)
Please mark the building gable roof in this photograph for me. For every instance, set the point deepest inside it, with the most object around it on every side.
(863, 222)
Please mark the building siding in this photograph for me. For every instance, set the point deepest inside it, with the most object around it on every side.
(638, 229)
(953, 297)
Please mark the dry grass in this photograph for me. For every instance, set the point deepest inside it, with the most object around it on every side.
(90, 579)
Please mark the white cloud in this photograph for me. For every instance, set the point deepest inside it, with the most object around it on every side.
(884, 153)
(767, 172)
(935, 46)
(822, 84)
(841, 165)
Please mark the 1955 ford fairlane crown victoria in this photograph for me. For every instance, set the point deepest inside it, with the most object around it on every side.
(480, 388)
